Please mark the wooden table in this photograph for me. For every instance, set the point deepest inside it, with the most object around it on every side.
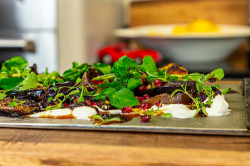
(26, 147)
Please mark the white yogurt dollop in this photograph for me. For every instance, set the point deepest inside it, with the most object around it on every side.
(219, 107)
(177, 110)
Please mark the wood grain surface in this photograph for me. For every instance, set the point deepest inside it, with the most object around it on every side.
(33, 147)
(56, 147)
(184, 11)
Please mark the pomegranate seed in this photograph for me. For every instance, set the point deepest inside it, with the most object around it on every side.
(97, 82)
(142, 105)
(93, 103)
(145, 106)
(159, 103)
(137, 106)
(76, 100)
(140, 98)
(143, 80)
(150, 83)
(65, 105)
(143, 88)
(126, 109)
(57, 102)
(157, 81)
(78, 84)
(146, 96)
(145, 118)
(158, 85)
(87, 102)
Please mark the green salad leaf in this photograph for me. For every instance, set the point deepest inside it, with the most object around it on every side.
(122, 98)
(134, 83)
(76, 71)
(30, 82)
(103, 68)
(10, 83)
(148, 64)
(121, 66)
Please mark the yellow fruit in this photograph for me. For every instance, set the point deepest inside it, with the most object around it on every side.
(180, 29)
(201, 25)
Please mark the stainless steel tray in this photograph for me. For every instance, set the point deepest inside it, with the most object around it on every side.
(232, 124)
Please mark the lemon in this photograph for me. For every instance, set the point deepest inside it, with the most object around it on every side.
(180, 29)
(201, 25)
(198, 26)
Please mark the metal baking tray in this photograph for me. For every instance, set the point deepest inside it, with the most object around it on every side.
(236, 123)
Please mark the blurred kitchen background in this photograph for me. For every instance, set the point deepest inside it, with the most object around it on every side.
(53, 33)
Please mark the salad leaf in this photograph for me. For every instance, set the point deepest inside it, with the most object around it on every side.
(217, 74)
(97, 117)
(108, 91)
(71, 74)
(30, 82)
(121, 66)
(134, 83)
(148, 64)
(123, 98)
(226, 91)
(76, 71)
(167, 115)
(2, 96)
(103, 68)
(117, 85)
(9, 83)
(17, 61)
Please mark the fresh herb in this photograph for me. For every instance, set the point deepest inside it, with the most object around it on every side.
(108, 120)
(10, 83)
(2, 96)
(103, 68)
(76, 71)
(121, 66)
(133, 83)
(14, 66)
(61, 98)
(226, 91)
(123, 98)
(30, 82)
(16, 102)
(196, 101)
(167, 115)
(148, 64)
(117, 85)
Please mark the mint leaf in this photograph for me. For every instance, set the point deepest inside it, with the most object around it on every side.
(121, 66)
(13, 103)
(9, 83)
(123, 98)
(148, 64)
(133, 83)
(73, 92)
(103, 68)
(29, 82)
(117, 85)
(217, 74)
(2, 96)
(108, 91)
(226, 91)
(167, 115)
(97, 117)
(112, 120)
